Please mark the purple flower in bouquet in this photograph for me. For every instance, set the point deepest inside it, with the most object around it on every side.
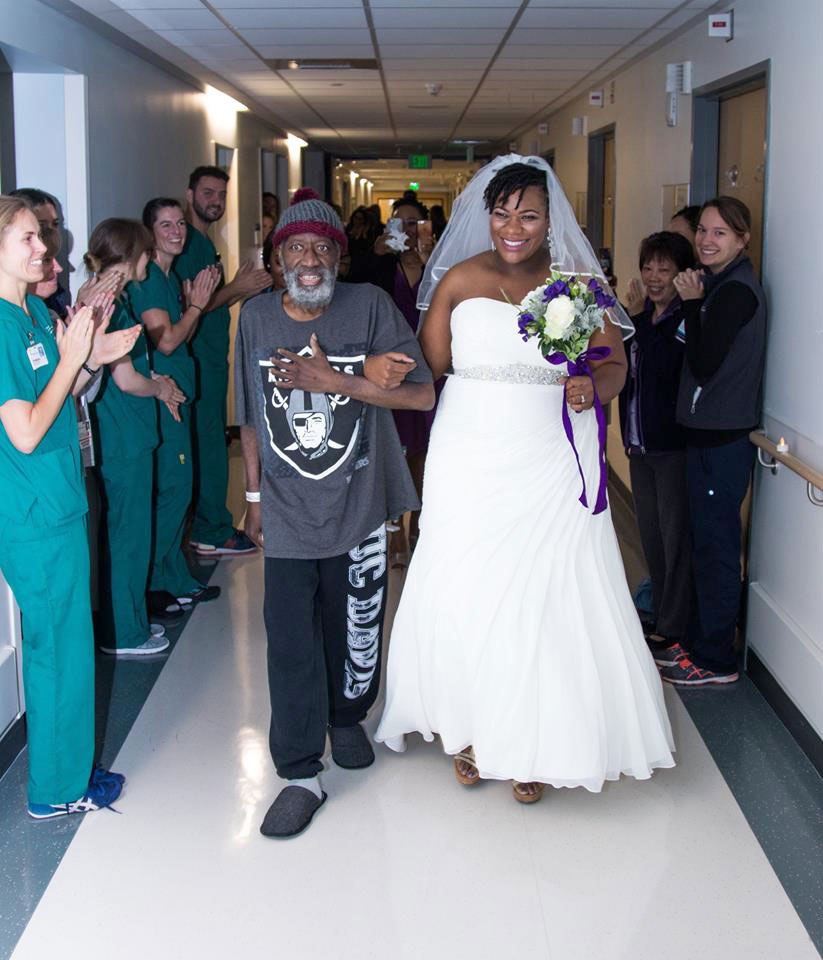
(560, 288)
(601, 298)
(522, 324)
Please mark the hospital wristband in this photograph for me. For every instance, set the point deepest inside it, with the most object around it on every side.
(252, 496)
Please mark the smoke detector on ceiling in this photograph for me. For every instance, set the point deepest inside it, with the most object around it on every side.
(434, 88)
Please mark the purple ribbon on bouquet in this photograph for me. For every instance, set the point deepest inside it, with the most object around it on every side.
(581, 368)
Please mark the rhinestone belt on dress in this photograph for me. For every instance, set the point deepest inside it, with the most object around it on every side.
(512, 373)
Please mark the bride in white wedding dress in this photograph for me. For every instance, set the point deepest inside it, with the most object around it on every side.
(516, 639)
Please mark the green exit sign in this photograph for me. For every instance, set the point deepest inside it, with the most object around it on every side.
(420, 161)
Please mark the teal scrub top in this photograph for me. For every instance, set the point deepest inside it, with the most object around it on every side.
(210, 343)
(126, 425)
(161, 292)
(43, 488)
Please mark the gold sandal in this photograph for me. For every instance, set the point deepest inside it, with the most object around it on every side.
(467, 756)
(527, 797)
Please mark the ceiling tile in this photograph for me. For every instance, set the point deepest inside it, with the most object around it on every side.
(541, 63)
(435, 52)
(229, 68)
(154, 4)
(218, 51)
(225, 6)
(412, 36)
(610, 4)
(177, 19)
(436, 18)
(306, 51)
(298, 17)
(564, 54)
(442, 66)
(345, 36)
(201, 38)
(591, 18)
(573, 38)
(511, 4)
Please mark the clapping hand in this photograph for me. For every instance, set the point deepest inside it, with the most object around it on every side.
(636, 300)
(249, 280)
(198, 292)
(689, 285)
(74, 339)
(108, 347)
(170, 394)
(95, 288)
(388, 370)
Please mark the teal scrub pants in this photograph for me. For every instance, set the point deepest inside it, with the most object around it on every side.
(48, 572)
(127, 556)
(172, 499)
(212, 521)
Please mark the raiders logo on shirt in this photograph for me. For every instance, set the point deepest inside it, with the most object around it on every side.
(313, 432)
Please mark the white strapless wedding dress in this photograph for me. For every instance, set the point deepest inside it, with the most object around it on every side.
(516, 632)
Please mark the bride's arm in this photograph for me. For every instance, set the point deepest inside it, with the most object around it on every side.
(609, 374)
(435, 332)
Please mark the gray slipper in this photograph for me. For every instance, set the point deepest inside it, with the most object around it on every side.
(350, 747)
(291, 812)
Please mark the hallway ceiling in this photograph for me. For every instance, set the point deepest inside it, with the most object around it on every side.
(502, 65)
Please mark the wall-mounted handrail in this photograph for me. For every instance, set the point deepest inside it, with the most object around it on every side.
(768, 448)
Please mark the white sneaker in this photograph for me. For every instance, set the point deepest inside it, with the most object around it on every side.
(152, 645)
(157, 629)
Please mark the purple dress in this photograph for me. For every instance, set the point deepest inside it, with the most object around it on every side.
(413, 426)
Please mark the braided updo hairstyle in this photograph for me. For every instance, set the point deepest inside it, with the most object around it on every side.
(515, 178)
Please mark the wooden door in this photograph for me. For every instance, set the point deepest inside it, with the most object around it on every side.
(741, 166)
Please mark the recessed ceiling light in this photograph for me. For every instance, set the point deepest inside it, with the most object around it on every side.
(304, 63)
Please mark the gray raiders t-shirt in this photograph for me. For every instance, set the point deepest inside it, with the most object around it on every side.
(332, 467)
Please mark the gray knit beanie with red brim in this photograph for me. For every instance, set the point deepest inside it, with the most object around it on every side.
(309, 214)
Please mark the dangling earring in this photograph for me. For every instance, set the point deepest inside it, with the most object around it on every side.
(549, 238)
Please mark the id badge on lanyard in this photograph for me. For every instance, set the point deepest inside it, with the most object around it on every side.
(84, 432)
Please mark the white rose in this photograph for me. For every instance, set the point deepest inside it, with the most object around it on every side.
(559, 317)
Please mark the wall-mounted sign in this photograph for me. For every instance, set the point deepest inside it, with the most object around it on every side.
(542, 129)
(596, 98)
(721, 25)
(420, 161)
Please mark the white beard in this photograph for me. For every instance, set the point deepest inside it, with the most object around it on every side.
(310, 297)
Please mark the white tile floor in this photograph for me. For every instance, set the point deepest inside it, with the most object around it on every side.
(401, 862)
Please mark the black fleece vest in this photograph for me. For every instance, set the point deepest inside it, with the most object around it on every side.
(732, 399)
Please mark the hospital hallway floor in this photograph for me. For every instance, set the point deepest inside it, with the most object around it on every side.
(720, 857)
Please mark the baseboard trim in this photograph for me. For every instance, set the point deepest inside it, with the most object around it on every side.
(790, 716)
(12, 743)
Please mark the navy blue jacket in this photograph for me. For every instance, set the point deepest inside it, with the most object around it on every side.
(658, 360)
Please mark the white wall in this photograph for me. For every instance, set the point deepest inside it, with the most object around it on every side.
(47, 91)
(786, 627)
